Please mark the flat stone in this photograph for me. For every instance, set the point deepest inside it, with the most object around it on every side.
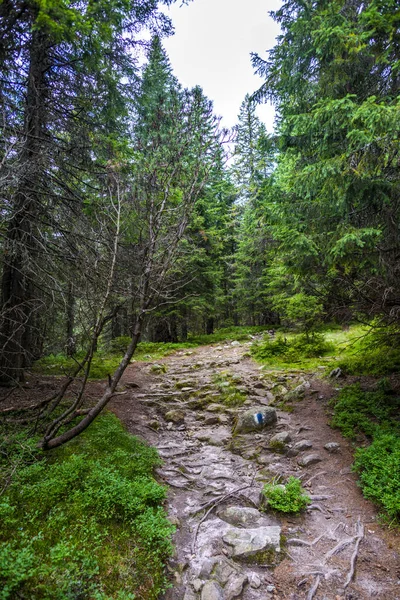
(302, 445)
(246, 542)
(175, 416)
(241, 516)
(214, 407)
(309, 459)
(217, 437)
(217, 472)
(235, 587)
(298, 392)
(256, 419)
(189, 595)
(282, 437)
(211, 420)
(212, 591)
(332, 447)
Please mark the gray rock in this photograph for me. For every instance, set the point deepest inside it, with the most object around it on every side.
(175, 416)
(282, 437)
(224, 569)
(211, 420)
(214, 407)
(235, 343)
(298, 392)
(332, 447)
(336, 373)
(270, 588)
(212, 591)
(197, 584)
(246, 542)
(189, 595)
(235, 586)
(256, 419)
(255, 581)
(309, 459)
(303, 445)
(217, 437)
(241, 516)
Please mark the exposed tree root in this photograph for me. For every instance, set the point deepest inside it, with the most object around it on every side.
(358, 537)
(299, 542)
(313, 590)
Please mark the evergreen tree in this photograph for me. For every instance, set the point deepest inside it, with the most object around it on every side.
(334, 75)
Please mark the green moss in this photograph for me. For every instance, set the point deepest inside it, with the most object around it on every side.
(85, 521)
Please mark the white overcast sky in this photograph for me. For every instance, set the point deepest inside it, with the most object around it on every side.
(211, 48)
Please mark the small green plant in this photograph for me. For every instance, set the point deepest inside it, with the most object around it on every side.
(378, 466)
(288, 498)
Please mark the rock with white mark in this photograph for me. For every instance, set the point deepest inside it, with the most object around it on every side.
(309, 459)
(256, 419)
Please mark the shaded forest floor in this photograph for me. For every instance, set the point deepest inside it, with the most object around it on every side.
(186, 406)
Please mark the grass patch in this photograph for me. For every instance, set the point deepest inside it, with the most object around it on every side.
(288, 498)
(85, 521)
(374, 414)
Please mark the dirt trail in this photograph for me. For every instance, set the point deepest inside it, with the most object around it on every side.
(225, 547)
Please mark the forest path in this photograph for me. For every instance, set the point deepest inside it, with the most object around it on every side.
(226, 548)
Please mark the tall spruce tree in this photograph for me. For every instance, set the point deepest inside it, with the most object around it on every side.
(334, 76)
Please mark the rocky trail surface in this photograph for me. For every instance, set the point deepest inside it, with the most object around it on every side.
(226, 545)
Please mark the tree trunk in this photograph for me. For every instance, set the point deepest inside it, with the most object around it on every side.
(19, 301)
(210, 326)
(71, 342)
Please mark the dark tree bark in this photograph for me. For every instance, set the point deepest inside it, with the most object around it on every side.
(71, 342)
(210, 326)
(20, 301)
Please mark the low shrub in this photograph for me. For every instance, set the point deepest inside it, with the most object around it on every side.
(85, 521)
(294, 348)
(288, 498)
(379, 470)
(364, 412)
